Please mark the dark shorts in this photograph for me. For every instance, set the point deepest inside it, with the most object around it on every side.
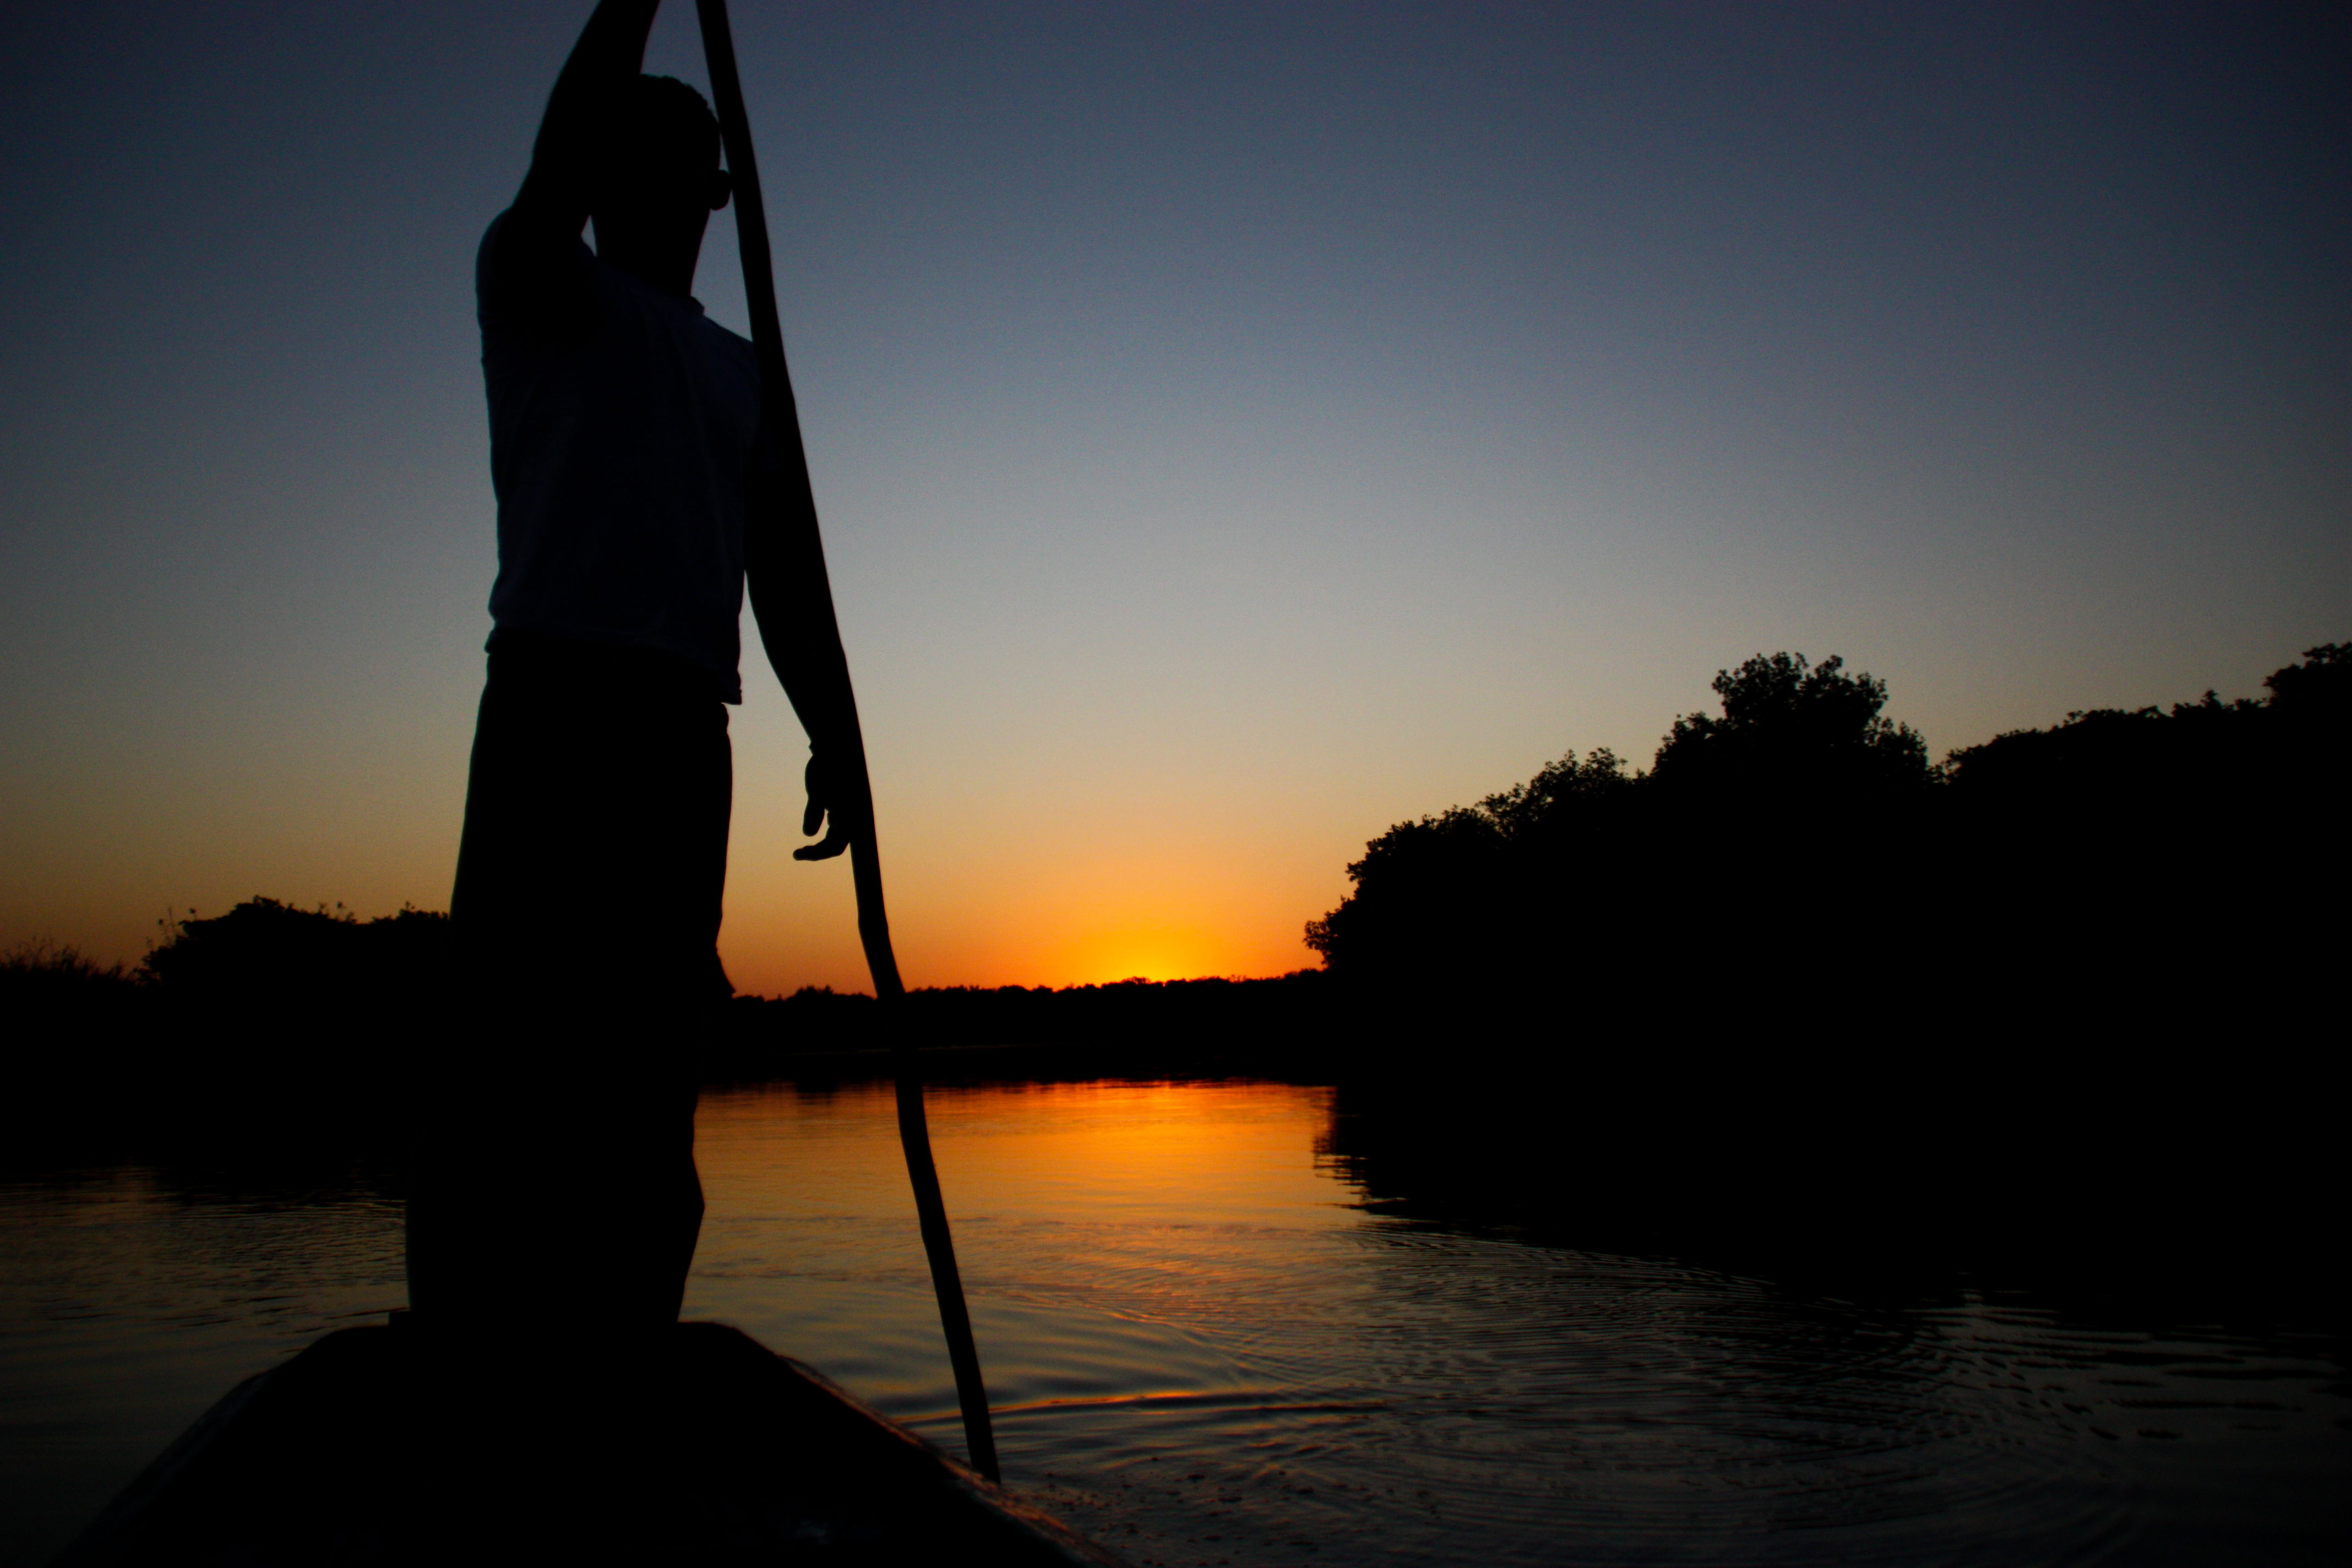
(554, 1179)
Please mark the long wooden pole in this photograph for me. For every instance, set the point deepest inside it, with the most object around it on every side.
(805, 548)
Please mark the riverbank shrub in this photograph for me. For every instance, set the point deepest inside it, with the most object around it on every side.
(42, 980)
(265, 958)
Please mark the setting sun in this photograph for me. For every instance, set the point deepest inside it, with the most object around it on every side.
(1143, 953)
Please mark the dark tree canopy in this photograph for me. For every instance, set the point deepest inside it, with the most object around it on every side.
(1585, 855)
(1436, 888)
(1791, 726)
(1799, 849)
(2206, 756)
(1549, 802)
(2319, 689)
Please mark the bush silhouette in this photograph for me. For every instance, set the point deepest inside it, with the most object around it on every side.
(269, 976)
(45, 985)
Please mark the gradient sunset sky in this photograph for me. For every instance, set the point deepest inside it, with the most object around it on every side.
(1237, 427)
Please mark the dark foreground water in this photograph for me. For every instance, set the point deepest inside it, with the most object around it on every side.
(1203, 1348)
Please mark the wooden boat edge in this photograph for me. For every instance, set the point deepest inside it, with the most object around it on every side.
(978, 1489)
(105, 1539)
(102, 1539)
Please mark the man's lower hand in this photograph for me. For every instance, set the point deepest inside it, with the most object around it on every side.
(827, 798)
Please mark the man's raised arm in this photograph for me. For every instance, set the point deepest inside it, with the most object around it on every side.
(582, 111)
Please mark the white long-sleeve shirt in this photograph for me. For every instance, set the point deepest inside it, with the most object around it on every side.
(623, 425)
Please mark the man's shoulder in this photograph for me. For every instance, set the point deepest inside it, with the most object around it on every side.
(727, 341)
(513, 269)
(711, 341)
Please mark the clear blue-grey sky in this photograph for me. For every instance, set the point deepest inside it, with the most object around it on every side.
(1237, 426)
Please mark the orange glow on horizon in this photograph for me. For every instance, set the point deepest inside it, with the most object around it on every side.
(1135, 952)
(1086, 910)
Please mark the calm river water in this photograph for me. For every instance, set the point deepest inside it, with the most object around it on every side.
(1205, 1350)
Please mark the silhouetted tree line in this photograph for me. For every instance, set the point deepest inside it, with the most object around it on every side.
(2059, 1012)
(1795, 858)
(1201, 1021)
(264, 960)
(273, 989)
(1800, 851)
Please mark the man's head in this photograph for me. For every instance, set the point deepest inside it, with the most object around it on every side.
(659, 182)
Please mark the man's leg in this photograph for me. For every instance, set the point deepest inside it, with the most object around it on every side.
(666, 863)
(556, 1182)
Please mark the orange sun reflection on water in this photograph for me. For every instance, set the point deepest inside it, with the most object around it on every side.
(1180, 1152)
(1092, 1221)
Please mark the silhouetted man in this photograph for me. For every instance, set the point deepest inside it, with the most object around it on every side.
(557, 1177)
